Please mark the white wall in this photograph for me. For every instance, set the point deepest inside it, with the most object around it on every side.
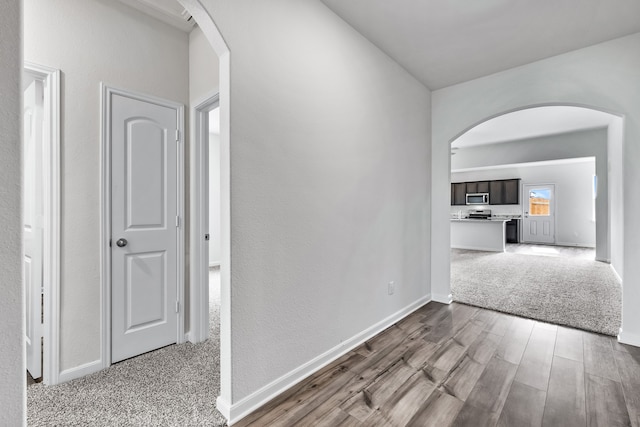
(603, 76)
(12, 365)
(575, 225)
(587, 143)
(93, 41)
(329, 159)
(203, 67)
(215, 250)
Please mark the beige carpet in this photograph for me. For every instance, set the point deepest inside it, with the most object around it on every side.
(174, 386)
(580, 293)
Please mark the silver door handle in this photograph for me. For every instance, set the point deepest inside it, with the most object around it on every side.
(121, 243)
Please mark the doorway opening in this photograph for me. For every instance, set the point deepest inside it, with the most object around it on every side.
(41, 220)
(557, 153)
(206, 202)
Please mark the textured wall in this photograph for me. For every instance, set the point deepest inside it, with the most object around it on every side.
(329, 185)
(93, 41)
(203, 67)
(12, 367)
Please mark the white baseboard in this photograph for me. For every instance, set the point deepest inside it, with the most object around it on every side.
(476, 248)
(576, 245)
(616, 273)
(244, 407)
(225, 409)
(442, 298)
(627, 338)
(79, 371)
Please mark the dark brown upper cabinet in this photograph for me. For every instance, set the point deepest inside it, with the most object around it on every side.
(511, 193)
(496, 193)
(501, 192)
(459, 193)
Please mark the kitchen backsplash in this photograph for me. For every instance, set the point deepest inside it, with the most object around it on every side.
(496, 210)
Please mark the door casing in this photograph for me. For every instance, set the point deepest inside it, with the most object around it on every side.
(105, 215)
(199, 262)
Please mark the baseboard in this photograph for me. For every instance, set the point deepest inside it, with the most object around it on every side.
(575, 245)
(476, 248)
(442, 298)
(79, 371)
(630, 339)
(244, 407)
(615, 272)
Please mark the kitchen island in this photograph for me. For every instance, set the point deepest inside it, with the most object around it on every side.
(478, 234)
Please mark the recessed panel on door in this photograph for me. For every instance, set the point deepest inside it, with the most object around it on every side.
(146, 290)
(146, 181)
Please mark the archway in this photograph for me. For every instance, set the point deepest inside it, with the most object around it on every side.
(608, 218)
(198, 264)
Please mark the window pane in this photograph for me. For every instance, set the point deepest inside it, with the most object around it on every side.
(539, 201)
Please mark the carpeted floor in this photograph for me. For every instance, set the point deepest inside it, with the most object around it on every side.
(174, 386)
(580, 293)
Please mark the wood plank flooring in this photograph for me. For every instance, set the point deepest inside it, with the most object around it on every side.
(456, 365)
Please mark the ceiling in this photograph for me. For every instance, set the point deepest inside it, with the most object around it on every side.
(531, 123)
(445, 42)
(168, 11)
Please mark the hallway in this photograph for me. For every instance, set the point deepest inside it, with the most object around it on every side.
(173, 386)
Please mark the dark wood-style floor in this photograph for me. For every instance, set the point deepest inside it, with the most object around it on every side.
(456, 365)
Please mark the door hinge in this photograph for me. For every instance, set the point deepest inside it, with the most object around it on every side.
(177, 306)
(178, 221)
(109, 242)
(177, 135)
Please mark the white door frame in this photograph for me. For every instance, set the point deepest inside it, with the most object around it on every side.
(199, 261)
(106, 92)
(525, 206)
(50, 77)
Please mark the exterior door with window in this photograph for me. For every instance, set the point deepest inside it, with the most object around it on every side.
(538, 222)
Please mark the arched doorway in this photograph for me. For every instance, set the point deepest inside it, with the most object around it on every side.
(536, 134)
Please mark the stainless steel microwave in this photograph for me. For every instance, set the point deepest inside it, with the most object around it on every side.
(477, 198)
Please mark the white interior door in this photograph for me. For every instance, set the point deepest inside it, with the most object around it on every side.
(538, 224)
(33, 212)
(144, 224)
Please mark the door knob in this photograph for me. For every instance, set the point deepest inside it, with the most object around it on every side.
(121, 243)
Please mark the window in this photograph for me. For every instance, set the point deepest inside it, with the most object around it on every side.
(539, 200)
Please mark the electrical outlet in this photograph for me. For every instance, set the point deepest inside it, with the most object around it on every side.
(391, 288)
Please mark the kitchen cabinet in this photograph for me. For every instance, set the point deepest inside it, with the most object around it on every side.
(459, 193)
(511, 193)
(483, 186)
(472, 187)
(504, 192)
(501, 192)
(496, 192)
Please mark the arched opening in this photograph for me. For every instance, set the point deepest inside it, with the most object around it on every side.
(199, 207)
(558, 145)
